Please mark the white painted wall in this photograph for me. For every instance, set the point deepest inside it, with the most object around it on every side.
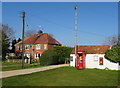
(72, 60)
(92, 61)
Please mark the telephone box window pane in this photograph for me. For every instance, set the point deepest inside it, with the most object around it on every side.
(80, 54)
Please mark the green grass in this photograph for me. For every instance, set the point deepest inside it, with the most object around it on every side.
(16, 66)
(20, 67)
(65, 76)
(5, 63)
(10, 63)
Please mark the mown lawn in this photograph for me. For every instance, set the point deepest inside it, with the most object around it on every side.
(4, 63)
(65, 76)
(7, 66)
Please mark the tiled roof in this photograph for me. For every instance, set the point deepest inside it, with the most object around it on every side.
(40, 38)
(93, 49)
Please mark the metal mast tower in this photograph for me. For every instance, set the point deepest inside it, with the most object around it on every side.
(76, 29)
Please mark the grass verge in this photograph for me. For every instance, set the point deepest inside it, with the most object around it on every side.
(20, 67)
(65, 76)
(5, 63)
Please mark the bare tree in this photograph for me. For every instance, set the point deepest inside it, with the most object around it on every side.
(8, 31)
(30, 32)
(113, 40)
(7, 35)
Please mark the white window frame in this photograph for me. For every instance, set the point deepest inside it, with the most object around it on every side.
(17, 47)
(27, 54)
(71, 58)
(45, 46)
(27, 46)
(36, 55)
(38, 46)
(96, 57)
(20, 47)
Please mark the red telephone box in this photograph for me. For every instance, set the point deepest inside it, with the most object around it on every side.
(80, 60)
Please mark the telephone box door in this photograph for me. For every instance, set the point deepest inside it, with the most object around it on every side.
(80, 60)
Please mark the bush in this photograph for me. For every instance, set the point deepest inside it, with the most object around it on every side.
(14, 57)
(113, 54)
(58, 55)
(25, 57)
(63, 53)
(49, 57)
(34, 61)
(10, 57)
(19, 57)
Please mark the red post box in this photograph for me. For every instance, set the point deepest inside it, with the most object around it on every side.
(80, 60)
(100, 61)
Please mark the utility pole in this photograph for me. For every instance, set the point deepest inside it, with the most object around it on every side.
(76, 30)
(23, 26)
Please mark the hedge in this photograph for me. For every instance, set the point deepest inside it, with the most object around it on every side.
(58, 55)
(49, 57)
(63, 53)
(113, 54)
(17, 57)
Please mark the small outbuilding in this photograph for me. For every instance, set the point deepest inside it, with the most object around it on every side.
(94, 57)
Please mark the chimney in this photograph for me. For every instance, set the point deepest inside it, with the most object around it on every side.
(40, 32)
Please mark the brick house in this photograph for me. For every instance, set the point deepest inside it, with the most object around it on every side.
(35, 45)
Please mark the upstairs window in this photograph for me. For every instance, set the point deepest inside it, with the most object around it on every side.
(45, 46)
(20, 47)
(27, 47)
(38, 46)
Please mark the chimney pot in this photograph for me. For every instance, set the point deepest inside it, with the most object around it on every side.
(40, 31)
